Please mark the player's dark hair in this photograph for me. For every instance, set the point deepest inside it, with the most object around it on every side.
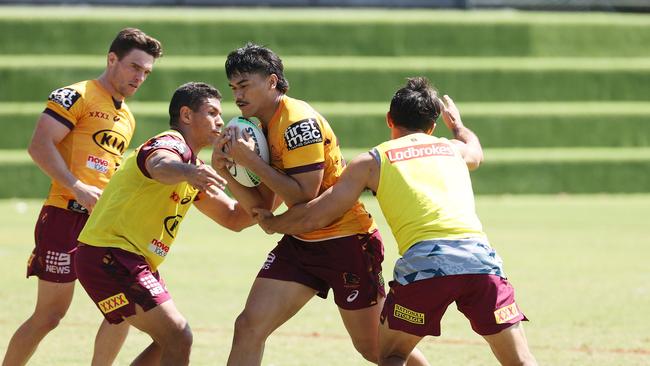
(133, 38)
(192, 95)
(416, 106)
(257, 59)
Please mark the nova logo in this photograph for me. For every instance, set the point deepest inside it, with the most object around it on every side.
(158, 247)
(113, 303)
(506, 313)
(111, 141)
(419, 151)
(171, 224)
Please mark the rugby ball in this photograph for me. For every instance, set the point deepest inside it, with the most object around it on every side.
(241, 174)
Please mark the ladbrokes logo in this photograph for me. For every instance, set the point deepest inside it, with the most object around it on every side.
(111, 141)
(409, 315)
(419, 151)
(506, 313)
(113, 303)
(171, 224)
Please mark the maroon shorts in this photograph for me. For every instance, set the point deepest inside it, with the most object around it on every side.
(350, 265)
(488, 301)
(116, 280)
(55, 236)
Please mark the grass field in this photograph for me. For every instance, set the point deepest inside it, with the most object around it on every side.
(579, 264)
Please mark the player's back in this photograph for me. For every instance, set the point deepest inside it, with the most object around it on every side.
(425, 190)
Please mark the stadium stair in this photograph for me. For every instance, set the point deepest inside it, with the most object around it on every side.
(560, 101)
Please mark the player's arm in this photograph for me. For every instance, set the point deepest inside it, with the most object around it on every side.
(292, 189)
(466, 141)
(361, 173)
(223, 210)
(47, 135)
(248, 197)
(168, 167)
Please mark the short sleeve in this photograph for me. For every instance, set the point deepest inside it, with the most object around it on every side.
(305, 150)
(163, 142)
(65, 105)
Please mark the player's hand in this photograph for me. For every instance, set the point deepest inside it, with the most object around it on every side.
(451, 114)
(86, 194)
(221, 159)
(203, 176)
(263, 218)
(242, 147)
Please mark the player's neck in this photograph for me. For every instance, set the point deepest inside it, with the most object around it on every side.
(103, 81)
(398, 131)
(267, 113)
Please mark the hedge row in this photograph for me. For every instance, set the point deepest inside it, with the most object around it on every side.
(368, 85)
(317, 33)
(367, 130)
(529, 177)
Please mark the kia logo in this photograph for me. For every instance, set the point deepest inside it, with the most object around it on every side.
(111, 141)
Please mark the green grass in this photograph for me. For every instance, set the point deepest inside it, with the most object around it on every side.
(578, 263)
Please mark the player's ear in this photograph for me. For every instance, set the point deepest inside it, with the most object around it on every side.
(273, 81)
(112, 58)
(185, 114)
(389, 120)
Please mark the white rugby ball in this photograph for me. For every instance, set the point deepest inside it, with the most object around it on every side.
(243, 175)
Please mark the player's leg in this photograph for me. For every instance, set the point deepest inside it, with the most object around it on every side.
(511, 347)
(52, 303)
(108, 342)
(270, 304)
(169, 329)
(363, 327)
(397, 347)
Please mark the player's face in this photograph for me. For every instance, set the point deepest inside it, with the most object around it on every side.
(253, 93)
(130, 72)
(207, 121)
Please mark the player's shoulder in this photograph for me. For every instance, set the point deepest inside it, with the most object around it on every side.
(68, 95)
(170, 140)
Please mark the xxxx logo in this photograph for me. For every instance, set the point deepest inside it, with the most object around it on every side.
(113, 303)
(506, 313)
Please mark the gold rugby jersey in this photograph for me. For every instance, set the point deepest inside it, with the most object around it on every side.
(301, 140)
(100, 131)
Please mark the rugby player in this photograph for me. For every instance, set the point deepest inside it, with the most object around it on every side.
(132, 228)
(424, 190)
(78, 142)
(345, 255)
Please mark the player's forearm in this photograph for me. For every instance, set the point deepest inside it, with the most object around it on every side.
(48, 158)
(169, 172)
(474, 154)
(248, 197)
(296, 220)
(287, 188)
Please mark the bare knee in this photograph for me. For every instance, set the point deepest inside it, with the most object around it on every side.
(47, 321)
(247, 329)
(392, 360)
(368, 349)
(178, 340)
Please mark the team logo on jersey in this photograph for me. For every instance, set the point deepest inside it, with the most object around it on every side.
(98, 114)
(419, 151)
(111, 141)
(408, 315)
(159, 248)
(98, 164)
(302, 133)
(57, 262)
(352, 296)
(177, 146)
(113, 303)
(171, 224)
(506, 313)
(65, 97)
